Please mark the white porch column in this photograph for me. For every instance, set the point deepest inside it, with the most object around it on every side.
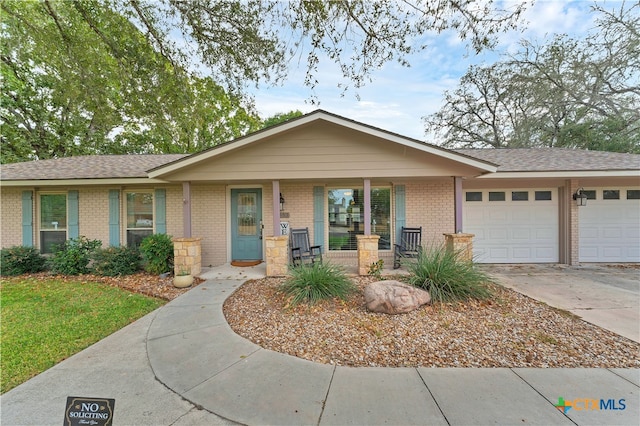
(186, 209)
(367, 207)
(277, 231)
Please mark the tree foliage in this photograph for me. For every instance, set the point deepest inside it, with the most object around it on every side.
(137, 76)
(281, 117)
(79, 78)
(250, 41)
(567, 93)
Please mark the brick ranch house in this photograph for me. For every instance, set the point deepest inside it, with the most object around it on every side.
(339, 178)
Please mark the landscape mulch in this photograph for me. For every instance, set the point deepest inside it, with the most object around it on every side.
(508, 330)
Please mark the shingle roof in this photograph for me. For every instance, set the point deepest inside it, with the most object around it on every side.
(554, 159)
(87, 167)
(137, 165)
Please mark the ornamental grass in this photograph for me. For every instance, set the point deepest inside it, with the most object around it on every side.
(318, 281)
(447, 277)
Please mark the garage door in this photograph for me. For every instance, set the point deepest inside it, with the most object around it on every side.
(513, 225)
(610, 225)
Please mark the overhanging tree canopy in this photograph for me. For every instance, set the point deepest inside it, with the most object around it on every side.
(117, 76)
(567, 93)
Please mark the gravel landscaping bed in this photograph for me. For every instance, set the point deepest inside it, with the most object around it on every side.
(510, 330)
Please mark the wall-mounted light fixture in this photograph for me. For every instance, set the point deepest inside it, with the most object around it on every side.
(580, 197)
(281, 202)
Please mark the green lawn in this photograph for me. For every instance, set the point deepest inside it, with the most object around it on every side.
(43, 321)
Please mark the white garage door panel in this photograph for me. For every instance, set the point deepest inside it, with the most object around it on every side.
(547, 234)
(521, 253)
(513, 231)
(495, 216)
(609, 229)
(497, 234)
(611, 232)
(498, 253)
(521, 234)
(611, 252)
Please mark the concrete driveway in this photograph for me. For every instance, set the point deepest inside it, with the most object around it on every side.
(605, 295)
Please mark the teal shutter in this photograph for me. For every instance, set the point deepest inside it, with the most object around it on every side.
(318, 216)
(27, 218)
(114, 217)
(161, 211)
(400, 209)
(73, 224)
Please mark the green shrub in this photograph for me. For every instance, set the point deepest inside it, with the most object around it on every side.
(157, 253)
(114, 261)
(19, 260)
(447, 277)
(73, 256)
(311, 283)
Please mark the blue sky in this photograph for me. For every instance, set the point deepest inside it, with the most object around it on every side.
(399, 97)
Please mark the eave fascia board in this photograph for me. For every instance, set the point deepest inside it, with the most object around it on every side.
(82, 182)
(562, 174)
(485, 166)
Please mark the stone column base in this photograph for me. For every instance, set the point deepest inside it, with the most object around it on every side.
(187, 255)
(367, 252)
(460, 243)
(277, 253)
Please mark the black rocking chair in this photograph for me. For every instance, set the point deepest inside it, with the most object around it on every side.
(409, 246)
(301, 250)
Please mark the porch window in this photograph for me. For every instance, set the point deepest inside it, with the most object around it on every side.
(53, 221)
(139, 217)
(346, 217)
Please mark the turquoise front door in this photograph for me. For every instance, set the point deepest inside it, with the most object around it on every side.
(246, 224)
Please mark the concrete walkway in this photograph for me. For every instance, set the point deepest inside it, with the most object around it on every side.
(183, 365)
(193, 351)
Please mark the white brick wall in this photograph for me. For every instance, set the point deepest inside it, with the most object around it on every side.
(431, 205)
(11, 217)
(174, 211)
(209, 222)
(93, 218)
(299, 205)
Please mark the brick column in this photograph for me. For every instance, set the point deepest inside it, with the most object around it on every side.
(277, 255)
(187, 255)
(367, 252)
(460, 243)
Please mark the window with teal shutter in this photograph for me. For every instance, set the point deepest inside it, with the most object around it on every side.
(73, 225)
(346, 215)
(161, 211)
(27, 218)
(114, 217)
(140, 216)
(399, 192)
(54, 221)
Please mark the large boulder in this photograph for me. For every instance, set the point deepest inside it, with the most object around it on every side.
(394, 297)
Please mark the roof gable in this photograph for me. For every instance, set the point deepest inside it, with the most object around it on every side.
(308, 121)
